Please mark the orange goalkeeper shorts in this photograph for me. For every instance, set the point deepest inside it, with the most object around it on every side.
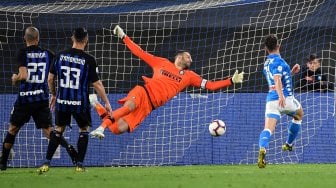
(142, 107)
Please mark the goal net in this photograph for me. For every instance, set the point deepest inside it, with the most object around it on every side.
(222, 36)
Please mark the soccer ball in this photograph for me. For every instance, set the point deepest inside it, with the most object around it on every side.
(217, 128)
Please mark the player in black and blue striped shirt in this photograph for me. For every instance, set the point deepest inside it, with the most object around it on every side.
(33, 97)
(74, 70)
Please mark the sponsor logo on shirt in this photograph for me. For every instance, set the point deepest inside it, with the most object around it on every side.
(68, 102)
(29, 93)
(170, 75)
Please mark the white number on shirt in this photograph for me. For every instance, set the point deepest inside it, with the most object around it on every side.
(70, 77)
(36, 72)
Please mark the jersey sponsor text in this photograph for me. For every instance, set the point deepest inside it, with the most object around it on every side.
(171, 75)
(30, 93)
(68, 102)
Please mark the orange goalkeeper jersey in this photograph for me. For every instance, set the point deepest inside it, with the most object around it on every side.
(168, 80)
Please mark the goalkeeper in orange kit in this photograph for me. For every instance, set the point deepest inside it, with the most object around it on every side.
(167, 81)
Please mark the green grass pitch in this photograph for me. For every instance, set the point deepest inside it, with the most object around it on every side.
(244, 176)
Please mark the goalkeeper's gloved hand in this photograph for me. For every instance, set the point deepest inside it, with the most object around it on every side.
(93, 99)
(238, 77)
(119, 32)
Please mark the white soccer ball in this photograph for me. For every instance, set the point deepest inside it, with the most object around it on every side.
(217, 128)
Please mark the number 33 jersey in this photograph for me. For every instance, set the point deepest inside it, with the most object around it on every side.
(75, 70)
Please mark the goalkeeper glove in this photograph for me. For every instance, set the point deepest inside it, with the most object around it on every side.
(119, 32)
(93, 99)
(237, 77)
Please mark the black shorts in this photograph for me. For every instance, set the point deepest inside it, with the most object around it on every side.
(40, 112)
(64, 118)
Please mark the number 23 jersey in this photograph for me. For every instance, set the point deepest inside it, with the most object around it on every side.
(37, 61)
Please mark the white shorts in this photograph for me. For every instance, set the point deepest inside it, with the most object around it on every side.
(273, 110)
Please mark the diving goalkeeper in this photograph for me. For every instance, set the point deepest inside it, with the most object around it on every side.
(167, 81)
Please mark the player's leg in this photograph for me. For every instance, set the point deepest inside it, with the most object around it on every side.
(264, 139)
(115, 122)
(132, 120)
(119, 127)
(70, 150)
(54, 142)
(7, 145)
(293, 130)
(64, 143)
(42, 118)
(136, 107)
(295, 110)
(84, 122)
(128, 107)
(82, 144)
(61, 120)
(109, 119)
(19, 116)
(272, 115)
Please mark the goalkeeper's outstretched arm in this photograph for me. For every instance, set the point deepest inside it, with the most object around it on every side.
(135, 49)
(215, 85)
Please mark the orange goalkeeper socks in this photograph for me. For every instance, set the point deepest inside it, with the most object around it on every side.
(120, 112)
(106, 123)
(111, 122)
(102, 112)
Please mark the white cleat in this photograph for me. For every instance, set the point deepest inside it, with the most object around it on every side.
(93, 99)
(98, 133)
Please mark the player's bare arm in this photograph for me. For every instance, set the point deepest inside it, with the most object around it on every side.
(296, 69)
(278, 88)
(102, 94)
(52, 90)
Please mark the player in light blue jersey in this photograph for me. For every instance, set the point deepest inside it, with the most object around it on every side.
(280, 98)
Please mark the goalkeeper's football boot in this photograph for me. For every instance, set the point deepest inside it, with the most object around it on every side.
(79, 168)
(287, 147)
(98, 133)
(44, 168)
(261, 158)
